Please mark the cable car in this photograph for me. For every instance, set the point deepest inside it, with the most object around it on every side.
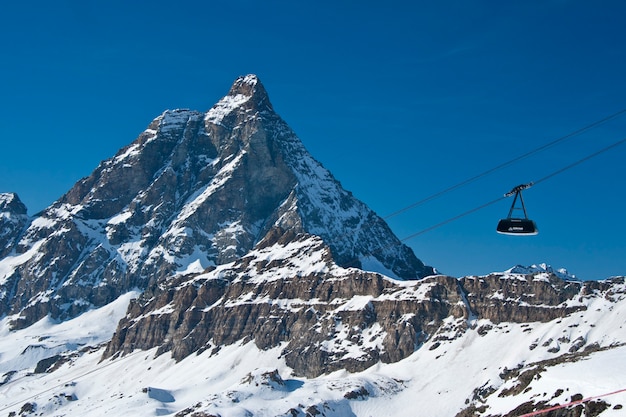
(517, 225)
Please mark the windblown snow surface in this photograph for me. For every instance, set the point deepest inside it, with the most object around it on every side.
(241, 380)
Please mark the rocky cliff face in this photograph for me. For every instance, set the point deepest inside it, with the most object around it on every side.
(13, 220)
(522, 298)
(289, 292)
(194, 191)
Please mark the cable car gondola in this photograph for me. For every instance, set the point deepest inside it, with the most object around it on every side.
(517, 225)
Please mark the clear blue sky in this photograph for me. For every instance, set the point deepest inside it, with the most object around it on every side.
(398, 99)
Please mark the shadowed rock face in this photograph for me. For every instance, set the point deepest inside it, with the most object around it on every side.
(194, 191)
(13, 220)
(10, 204)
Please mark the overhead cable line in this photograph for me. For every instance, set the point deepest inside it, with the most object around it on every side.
(505, 164)
(559, 171)
(450, 220)
(580, 161)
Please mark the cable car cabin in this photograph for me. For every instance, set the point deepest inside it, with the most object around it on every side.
(515, 225)
(512, 226)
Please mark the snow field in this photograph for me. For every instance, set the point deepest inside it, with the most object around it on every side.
(433, 381)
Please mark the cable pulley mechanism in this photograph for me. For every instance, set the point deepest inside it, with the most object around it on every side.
(517, 225)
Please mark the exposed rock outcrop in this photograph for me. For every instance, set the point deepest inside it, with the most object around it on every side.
(329, 317)
(13, 221)
(326, 317)
(521, 298)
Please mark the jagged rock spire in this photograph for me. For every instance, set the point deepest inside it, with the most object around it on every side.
(11, 203)
(250, 86)
(246, 94)
(13, 220)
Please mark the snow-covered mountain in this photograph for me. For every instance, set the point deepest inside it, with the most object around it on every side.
(194, 191)
(214, 268)
(510, 364)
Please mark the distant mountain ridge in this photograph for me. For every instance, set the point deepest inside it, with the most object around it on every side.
(195, 190)
(542, 269)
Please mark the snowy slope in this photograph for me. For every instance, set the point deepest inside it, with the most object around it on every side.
(441, 378)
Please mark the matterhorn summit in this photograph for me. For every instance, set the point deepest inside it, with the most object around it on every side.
(194, 191)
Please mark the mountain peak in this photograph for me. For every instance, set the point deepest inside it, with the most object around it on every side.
(13, 220)
(10, 202)
(247, 92)
(195, 190)
(246, 85)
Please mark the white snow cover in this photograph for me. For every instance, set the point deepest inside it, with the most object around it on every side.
(6, 198)
(369, 263)
(175, 119)
(194, 263)
(132, 150)
(299, 258)
(224, 107)
(10, 263)
(168, 121)
(21, 350)
(240, 380)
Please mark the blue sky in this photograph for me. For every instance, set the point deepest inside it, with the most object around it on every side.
(398, 99)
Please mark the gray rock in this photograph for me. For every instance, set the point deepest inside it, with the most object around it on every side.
(13, 221)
